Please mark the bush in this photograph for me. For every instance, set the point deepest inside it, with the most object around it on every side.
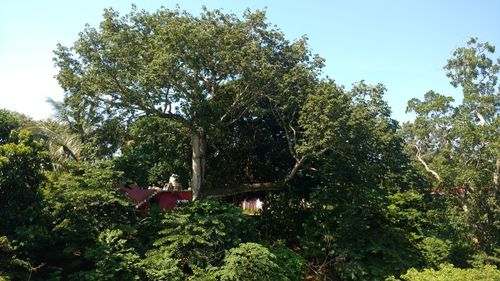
(353, 237)
(199, 233)
(290, 262)
(114, 259)
(5, 259)
(283, 215)
(83, 203)
(250, 261)
(162, 267)
(22, 161)
(435, 251)
(447, 272)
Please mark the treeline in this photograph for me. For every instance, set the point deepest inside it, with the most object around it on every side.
(235, 109)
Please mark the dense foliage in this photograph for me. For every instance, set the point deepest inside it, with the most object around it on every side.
(448, 272)
(251, 261)
(238, 111)
(199, 234)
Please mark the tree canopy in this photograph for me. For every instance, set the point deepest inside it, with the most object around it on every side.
(200, 73)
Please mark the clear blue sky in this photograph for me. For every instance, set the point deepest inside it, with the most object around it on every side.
(401, 44)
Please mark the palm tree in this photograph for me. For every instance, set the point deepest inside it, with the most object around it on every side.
(61, 143)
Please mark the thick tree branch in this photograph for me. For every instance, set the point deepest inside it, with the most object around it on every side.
(253, 187)
(173, 117)
(290, 141)
(427, 168)
(168, 105)
(140, 105)
(295, 169)
(496, 174)
(236, 102)
(244, 188)
(482, 121)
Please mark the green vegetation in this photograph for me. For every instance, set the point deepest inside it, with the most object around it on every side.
(448, 272)
(233, 107)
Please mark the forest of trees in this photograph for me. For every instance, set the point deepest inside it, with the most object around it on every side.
(236, 109)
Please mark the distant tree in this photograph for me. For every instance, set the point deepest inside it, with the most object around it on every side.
(10, 121)
(458, 145)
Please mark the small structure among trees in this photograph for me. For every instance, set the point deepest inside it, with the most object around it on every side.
(253, 205)
(143, 199)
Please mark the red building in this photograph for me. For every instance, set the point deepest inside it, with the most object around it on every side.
(143, 199)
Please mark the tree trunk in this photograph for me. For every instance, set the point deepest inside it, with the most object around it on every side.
(199, 146)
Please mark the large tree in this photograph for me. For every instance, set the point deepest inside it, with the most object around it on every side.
(201, 73)
(457, 144)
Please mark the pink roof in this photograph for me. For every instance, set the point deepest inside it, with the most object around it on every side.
(168, 199)
(138, 195)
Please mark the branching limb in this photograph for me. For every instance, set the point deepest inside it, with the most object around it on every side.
(236, 102)
(142, 107)
(482, 121)
(244, 188)
(266, 186)
(290, 132)
(427, 168)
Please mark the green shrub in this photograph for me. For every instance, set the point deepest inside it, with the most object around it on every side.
(435, 251)
(482, 258)
(354, 237)
(199, 233)
(82, 203)
(290, 262)
(283, 216)
(447, 272)
(114, 259)
(250, 261)
(161, 267)
(5, 258)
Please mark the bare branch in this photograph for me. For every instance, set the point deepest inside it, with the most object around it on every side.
(285, 126)
(427, 168)
(266, 186)
(295, 169)
(233, 106)
(230, 122)
(140, 105)
(482, 121)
